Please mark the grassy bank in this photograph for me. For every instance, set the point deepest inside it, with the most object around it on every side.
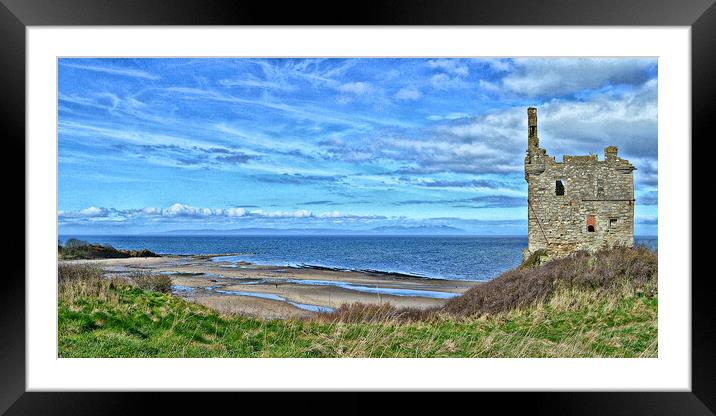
(602, 305)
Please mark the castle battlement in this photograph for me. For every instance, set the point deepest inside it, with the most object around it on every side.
(580, 203)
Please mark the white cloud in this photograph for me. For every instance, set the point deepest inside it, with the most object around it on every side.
(357, 88)
(496, 142)
(451, 74)
(444, 81)
(362, 92)
(284, 214)
(234, 212)
(331, 214)
(408, 94)
(628, 121)
(182, 210)
(534, 76)
(489, 86)
(451, 66)
(498, 65)
(93, 212)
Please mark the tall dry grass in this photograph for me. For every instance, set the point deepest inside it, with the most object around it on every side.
(383, 313)
(77, 281)
(610, 273)
(86, 280)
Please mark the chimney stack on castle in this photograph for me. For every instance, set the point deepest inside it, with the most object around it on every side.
(610, 153)
(532, 139)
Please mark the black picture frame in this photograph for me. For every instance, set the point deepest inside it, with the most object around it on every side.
(16, 15)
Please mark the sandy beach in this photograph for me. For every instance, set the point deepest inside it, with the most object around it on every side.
(232, 286)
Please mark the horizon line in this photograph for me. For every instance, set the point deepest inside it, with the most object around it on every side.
(164, 234)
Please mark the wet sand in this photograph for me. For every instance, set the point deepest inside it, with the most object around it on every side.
(236, 287)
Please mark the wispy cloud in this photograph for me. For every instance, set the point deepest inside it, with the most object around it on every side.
(486, 201)
(451, 116)
(297, 178)
(252, 82)
(125, 72)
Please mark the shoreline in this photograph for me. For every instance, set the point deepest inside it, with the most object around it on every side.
(395, 274)
(271, 291)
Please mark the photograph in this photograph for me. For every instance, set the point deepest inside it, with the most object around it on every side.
(357, 207)
(493, 198)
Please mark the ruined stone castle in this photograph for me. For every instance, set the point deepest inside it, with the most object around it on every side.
(580, 203)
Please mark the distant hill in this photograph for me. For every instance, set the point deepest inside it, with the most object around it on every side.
(386, 230)
(418, 230)
(258, 231)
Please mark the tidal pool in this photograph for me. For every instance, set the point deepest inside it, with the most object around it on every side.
(379, 290)
(305, 306)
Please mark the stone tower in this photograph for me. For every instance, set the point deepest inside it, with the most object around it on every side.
(580, 203)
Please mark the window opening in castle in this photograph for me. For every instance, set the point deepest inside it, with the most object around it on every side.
(600, 188)
(612, 222)
(591, 223)
(559, 188)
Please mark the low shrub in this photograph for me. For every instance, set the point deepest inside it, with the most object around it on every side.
(142, 253)
(67, 273)
(154, 282)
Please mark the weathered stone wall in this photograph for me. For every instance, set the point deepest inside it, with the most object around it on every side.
(597, 205)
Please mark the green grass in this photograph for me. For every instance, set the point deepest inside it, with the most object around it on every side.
(601, 304)
(127, 321)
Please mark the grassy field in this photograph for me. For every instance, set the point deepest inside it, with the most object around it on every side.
(599, 316)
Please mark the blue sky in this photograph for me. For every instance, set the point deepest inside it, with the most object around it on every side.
(151, 145)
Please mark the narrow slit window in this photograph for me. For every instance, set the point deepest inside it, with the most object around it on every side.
(600, 188)
(612, 222)
(591, 223)
(559, 188)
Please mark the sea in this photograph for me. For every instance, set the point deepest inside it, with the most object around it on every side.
(478, 258)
